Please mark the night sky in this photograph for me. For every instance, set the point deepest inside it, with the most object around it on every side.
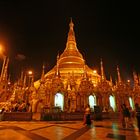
(38, 30)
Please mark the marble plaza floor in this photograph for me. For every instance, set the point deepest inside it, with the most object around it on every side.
(68, 130)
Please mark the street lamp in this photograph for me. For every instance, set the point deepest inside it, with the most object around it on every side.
(2, 51)
(1, 48)
(95, 71)
(30, 75)
(30, 72)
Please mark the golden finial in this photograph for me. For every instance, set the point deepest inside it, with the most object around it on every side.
(71, 23)
(118, 73)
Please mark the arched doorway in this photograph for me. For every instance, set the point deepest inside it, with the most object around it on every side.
(92, 101)
(131, 102)
(112, 102)
(59, 100)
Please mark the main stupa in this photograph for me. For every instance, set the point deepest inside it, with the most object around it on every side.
(70, 78)
(71, 61)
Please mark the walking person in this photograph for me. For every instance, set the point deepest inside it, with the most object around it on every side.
(131, 117)
(87, 119)
(138, 115)
(121, 116)
(126, 115)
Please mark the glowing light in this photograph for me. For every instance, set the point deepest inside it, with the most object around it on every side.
(1, 49)
(112, 102)
(9, 83)
(92, 101)
(30, 72)
(131, 103)
(128, 81)
(94, 85)
(95, 71)
(59, 100)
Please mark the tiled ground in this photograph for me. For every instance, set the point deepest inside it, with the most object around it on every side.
(69, 130)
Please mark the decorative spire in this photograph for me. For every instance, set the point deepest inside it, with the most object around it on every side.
(71, 41)
(5, 74)
(3, 66)
(9, 79)
(116, 82)
(119, 76)
(32, 81)
(24, 81)
(71, 34)
(71, 55)
(102, 71)
(111, 83)
(43, 72)
(57, 66)
(4, 69)
(136, 81)
(21, 78)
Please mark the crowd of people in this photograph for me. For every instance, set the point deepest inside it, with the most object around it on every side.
(17, 107)
(127, 116)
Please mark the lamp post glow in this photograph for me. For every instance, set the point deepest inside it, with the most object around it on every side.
(95, 71)
(2, 51)
(1, 48)
(30, 74)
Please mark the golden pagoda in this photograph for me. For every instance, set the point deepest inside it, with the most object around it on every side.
(70, 85)
(71, 61)
(70, 77)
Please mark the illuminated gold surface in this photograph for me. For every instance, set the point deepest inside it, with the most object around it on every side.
(71, 61)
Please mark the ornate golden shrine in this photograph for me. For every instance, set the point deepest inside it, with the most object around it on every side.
(71, 84)
(71, 77)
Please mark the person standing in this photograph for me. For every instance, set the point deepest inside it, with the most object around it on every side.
(121, 116)
(138, 115)
(87, 119)
(126, 115)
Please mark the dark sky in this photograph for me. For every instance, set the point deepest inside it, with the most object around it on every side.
(103, 29)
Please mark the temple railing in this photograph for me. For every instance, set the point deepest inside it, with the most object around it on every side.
(17, 116)
(57, 116)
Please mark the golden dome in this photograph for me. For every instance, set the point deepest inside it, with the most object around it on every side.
(71, 57)
(71, 61)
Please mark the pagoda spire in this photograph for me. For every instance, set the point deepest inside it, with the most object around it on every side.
(71, 55)
(135, 77)
(57, 66)
(32, 81)
(71, 41)
(71, 34)
(4, 69)
(102, 71)
(24, 80)
(118, 74)
(3, 66)
(111, 82)
(43, 72)
(21, 78)
(9, 79)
